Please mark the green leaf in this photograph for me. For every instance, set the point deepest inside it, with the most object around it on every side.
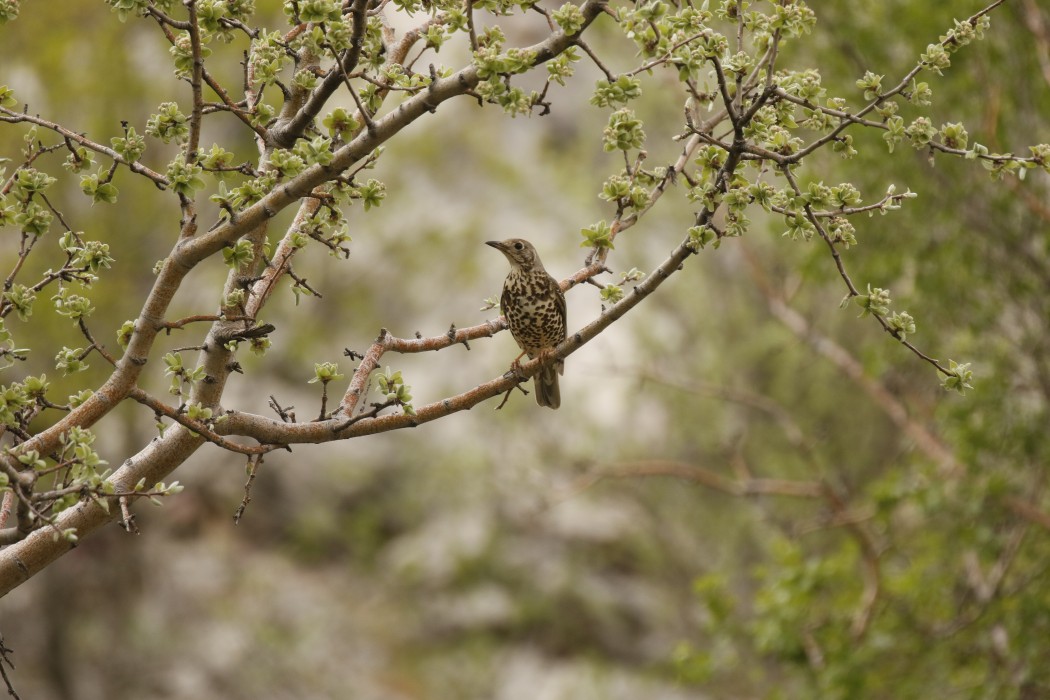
(239, 254)
(569, 18)
(597, 236)
(958, 378)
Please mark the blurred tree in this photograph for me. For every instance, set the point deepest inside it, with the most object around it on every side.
(764, 130)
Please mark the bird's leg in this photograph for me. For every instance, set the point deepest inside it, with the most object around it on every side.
(515, 364)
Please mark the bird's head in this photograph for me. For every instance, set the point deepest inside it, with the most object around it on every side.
(519, 252)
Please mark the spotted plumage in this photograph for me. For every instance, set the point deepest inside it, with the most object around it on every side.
(534, 307)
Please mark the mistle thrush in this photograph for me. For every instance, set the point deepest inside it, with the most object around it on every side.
(534, 307)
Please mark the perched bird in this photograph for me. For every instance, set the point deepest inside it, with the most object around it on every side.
(534, 307)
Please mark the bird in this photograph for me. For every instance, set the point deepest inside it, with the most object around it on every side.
(534, 307)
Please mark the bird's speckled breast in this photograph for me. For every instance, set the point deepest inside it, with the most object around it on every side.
(536, 314)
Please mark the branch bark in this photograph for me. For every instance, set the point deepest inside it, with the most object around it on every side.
(20, 561)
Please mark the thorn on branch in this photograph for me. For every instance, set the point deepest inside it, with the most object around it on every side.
(506, 396)
(301, 281)
(253, 467)
(127, 518)
(5, 659)
(286, 414)
(95, 345)
(249, 333)
(542, 101)
(246, 282)
(371, 413)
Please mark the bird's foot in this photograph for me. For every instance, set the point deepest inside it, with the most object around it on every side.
(515, 364)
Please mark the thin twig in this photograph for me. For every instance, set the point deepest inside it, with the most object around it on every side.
(195, 83)
(253, 467)
(5, 659)
(198, 427)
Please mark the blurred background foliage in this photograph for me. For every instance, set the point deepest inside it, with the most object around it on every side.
(612, 549)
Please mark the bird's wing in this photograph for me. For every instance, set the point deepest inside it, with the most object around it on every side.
(559, 300)
(504, 302)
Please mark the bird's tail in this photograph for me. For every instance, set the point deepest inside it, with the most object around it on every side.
(546, 382)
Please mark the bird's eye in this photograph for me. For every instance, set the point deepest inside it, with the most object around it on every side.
(518, 246)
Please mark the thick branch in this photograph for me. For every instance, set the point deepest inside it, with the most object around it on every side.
(20, 561)
(285, 134)
(268, 430)
(440, 90)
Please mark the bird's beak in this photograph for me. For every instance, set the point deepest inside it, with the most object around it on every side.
(498, 245)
